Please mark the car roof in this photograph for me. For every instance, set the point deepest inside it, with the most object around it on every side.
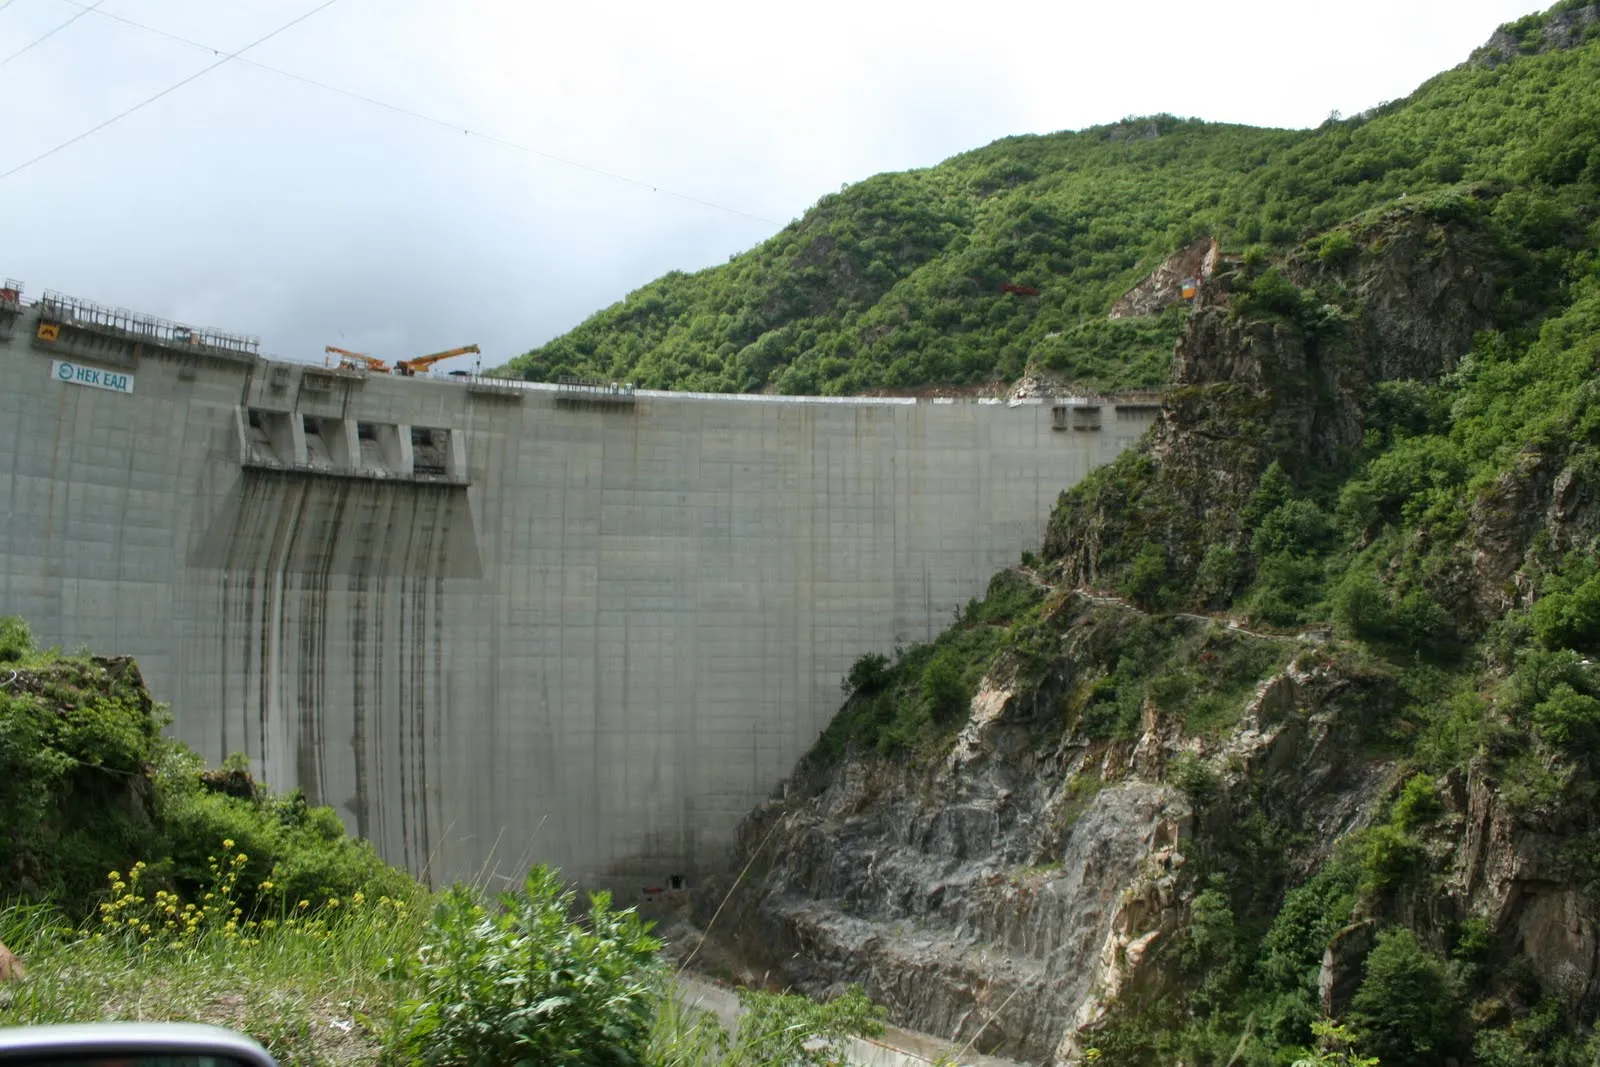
(79, 1039)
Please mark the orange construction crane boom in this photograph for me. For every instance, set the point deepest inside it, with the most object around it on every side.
(409, 367)
(357, 360)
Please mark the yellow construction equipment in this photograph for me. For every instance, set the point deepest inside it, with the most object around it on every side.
(357, 360)
(409, 367)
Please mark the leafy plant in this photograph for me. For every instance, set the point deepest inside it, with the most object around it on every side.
(518, 981)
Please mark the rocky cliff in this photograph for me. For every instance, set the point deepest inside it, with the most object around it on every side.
(1278, 716)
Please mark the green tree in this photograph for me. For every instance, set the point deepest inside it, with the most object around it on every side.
(1147, 576)
(942, 687)
(1404, 1012)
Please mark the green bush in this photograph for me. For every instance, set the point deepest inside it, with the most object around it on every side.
(16, 640)
(1404, 1012)
(1569, 719)
(943, 690)
(1219, 574)
(1334, 248)
(783, 1030)
(1388, 855)
(1418, 803)
(520, 982)
(1295, 526)
(1009, 595)
(1401, 482)
(1286, 585)
(868, 674)
(76, 743)
(1569, 619)
(1146, 578)
(1558, 694)
(88, 786)
(1270, 293)
(1413, 623)
(1361, 608)
(1311, 913)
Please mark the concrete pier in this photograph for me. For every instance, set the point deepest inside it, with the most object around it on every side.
(495, 623)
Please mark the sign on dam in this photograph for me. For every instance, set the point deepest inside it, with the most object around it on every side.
(491, 622)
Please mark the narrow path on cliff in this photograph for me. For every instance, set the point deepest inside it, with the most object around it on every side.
(1094, 596)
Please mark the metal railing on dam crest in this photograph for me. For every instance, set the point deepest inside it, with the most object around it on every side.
(495, 622)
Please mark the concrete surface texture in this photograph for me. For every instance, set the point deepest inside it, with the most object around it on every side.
(491, 624)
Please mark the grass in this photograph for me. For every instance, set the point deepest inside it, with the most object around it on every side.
(344, 982)
(311, 987)
(308, 996)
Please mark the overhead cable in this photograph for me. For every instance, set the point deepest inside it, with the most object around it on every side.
(40, 40)
(174, 87)
(433, 121)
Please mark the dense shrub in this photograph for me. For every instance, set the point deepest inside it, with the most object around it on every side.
(942, 686)
(88, 785)
(16, 640)
(1404, 1013)
(518, 981)
(1568, 615)
(1146, 578)
(867, 675)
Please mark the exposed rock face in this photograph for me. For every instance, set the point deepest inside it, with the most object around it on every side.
(1032, 882)
(1541, 494)
(1287, 387)
(1563, 29)
(1017, 889)
(1341, 966)
(11, 968)
(1528, 882)
(1164, 287)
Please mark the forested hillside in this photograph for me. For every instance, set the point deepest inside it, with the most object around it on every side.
(1285, 746)
(896, 281)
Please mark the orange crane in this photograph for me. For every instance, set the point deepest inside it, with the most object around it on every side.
(409, 367)
(357, 360)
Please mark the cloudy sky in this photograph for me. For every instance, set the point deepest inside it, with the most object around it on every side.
(401, 176)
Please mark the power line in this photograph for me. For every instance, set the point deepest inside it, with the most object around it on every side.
(174, 87)
(432, 121)
(40, 40)
(6, 4)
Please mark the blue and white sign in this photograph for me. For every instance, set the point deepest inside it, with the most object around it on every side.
(78, 374)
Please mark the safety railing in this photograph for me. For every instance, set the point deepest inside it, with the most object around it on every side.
(135, 326)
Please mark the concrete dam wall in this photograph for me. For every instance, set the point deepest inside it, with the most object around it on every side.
(495, 623)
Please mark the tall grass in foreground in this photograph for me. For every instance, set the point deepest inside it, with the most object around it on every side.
(455, 978)
(312, 988)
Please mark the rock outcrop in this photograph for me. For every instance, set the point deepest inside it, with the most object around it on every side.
(1014, 892)
(1165, 285)
(1032, 880)
(11, 968)
(1538, 33)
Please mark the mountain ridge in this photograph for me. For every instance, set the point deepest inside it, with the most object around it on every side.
(1285, 746)
(896, 281)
